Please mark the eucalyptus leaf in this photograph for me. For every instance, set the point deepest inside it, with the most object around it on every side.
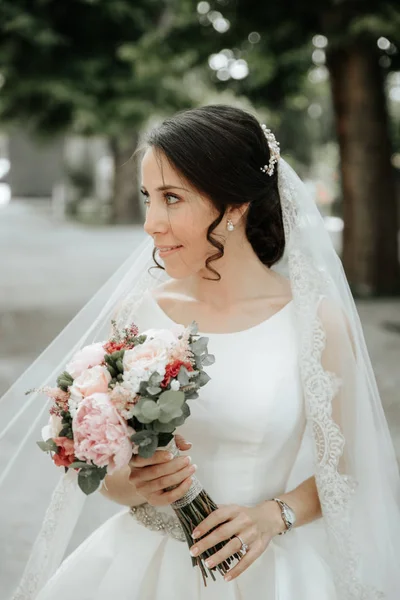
(147, 442)
(203, 378)
(80, 465)
(193, 328)
(150, 410)
(153, 391)
(155, 379)
(200, 345)
(173, 413)
(171, 398)
(192, 395)
(207, 360)
(164, 427)
(183, 376)
(89, 480)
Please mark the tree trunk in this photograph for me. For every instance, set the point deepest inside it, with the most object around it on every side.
(125, 206)
(370, 254)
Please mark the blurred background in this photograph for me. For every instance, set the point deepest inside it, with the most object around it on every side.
(80, 81)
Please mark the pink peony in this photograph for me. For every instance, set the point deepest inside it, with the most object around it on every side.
(91, 381)
(89, 356)
(100, 434)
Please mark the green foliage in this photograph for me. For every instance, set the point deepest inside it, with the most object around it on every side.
(98, 66)
(64, 381)
(89, 478)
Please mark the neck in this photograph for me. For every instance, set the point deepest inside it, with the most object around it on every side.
(243, 277)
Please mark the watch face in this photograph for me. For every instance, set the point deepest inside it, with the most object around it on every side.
(290, 516)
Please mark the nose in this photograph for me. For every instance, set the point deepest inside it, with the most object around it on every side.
(156, 221)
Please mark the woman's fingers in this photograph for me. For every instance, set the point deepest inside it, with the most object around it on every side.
(155, 485)
(159, 456)
(181, 443)
(163, 498)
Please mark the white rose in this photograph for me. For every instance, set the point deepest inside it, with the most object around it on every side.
(89, 356)
(91, 381)
(53, 428)
(144, 360)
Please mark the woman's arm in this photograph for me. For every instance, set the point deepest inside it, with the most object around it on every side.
(303, 500)
(119, 489)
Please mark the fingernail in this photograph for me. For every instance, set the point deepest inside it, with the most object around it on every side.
(193, 468)
(195, 534)
(209, 563)
(188, 460)
(228, 577)
(194, 551)
(170, 456)
(189, 443)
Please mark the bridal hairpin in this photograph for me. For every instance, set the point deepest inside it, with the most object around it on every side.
(273, 149)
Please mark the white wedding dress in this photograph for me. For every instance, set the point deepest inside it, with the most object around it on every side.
(250, 443)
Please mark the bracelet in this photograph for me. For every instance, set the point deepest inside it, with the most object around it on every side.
(288, 515)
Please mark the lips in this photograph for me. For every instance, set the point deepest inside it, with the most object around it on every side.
(166, 248)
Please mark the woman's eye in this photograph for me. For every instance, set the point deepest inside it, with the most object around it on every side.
(146, 200)
(175, 199)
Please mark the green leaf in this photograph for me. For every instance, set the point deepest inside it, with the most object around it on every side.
(164, 427)
(193, 328)
(153, 391)
(138, 410)
(183, 376)
(48, 446)
(80, 465)
(147, 442)
(170, 403)
(155, 379)
(89, 479)
(203, 378)
(199, 346)
(150, 410)
(207, 360)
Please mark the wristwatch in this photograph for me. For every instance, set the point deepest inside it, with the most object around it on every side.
(288, 515)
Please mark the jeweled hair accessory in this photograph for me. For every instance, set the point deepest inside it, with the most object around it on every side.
(274, 150)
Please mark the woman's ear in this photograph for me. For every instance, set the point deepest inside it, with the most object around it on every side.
(237, 213)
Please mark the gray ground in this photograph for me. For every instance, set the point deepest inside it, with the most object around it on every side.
(50, 268)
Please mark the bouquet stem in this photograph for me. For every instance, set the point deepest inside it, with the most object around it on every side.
(191, 510)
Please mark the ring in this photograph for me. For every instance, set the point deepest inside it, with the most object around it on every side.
(244, 547)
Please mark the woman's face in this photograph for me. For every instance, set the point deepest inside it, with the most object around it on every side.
(177, 217)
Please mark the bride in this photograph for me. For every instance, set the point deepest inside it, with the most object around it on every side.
(289, 436)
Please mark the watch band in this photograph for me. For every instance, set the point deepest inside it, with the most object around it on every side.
(285, 507)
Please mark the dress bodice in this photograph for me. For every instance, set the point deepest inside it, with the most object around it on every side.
(247, 424)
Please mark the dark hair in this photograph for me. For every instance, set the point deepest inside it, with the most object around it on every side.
(219, 149)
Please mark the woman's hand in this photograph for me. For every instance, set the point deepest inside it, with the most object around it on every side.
(255, 525)
(152, 475)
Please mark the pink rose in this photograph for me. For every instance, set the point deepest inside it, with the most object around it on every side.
(89, 356)
(100, 434)
(91, 381)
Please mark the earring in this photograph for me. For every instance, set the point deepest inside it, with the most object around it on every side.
(230, 226)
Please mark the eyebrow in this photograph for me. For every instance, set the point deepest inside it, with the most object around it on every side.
(168, 187)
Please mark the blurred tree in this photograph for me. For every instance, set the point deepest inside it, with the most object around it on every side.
(92, 67)
(359, 43)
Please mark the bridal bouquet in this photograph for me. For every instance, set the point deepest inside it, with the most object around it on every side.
(127, 396)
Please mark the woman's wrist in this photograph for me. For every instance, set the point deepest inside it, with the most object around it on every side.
(271, 522)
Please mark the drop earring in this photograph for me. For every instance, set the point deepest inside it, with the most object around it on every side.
(230, 226)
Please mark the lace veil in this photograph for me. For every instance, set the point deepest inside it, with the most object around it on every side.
(45, 515)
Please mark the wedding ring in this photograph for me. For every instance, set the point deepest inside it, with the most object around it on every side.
(244, 547)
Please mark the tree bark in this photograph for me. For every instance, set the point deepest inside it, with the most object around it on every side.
(370, 254)
(125, 205)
